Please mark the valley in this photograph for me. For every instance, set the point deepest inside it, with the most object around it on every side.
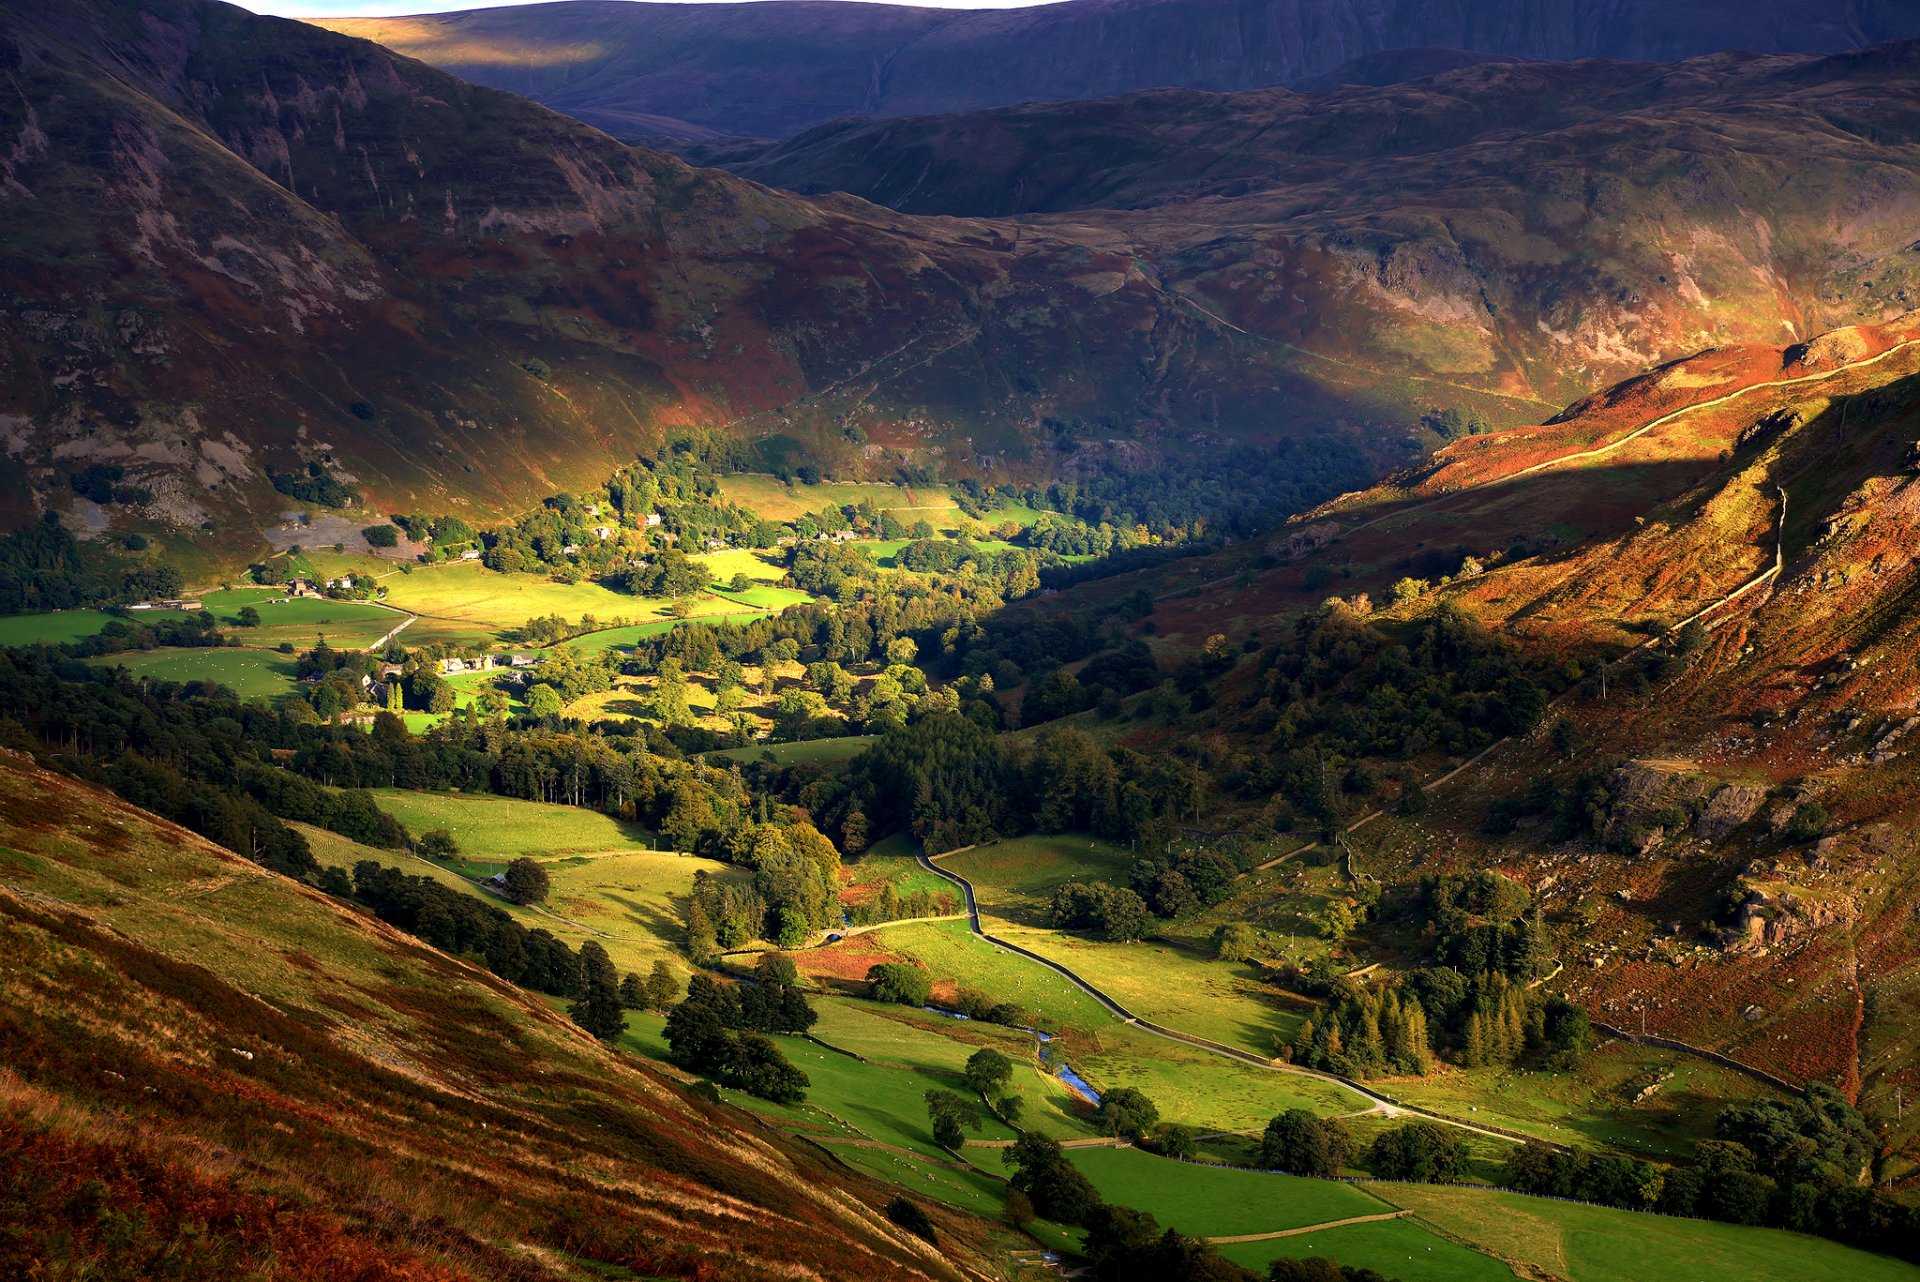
(1133, 641)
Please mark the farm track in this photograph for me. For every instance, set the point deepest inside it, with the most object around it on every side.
(1309, 1228)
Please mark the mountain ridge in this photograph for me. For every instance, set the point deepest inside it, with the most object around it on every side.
(674, 69)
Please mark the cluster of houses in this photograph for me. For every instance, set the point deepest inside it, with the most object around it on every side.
(510, 661)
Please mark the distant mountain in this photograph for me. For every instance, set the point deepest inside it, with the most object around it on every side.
(236, 244)
(773, 69)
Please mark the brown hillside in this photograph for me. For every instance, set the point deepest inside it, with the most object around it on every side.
(216, 1068)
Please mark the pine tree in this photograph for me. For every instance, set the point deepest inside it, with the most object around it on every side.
(598, 1010)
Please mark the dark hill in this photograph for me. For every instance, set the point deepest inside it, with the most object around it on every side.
(774, 69)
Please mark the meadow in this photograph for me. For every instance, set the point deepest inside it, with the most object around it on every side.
(54, 628)
(493, 829)
(252, 674)
(1171, 983)
(822, 752)
(1599, 1244)
(956, 956)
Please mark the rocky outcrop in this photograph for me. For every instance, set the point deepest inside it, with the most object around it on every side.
(1727, 809)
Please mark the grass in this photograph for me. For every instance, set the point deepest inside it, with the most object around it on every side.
(497, 829)
(807, 752)
(1594, 1104)
(953, 953)
(347, 625)
(251, 674)
(1205, 1201)
(1400, 1249)
(623, 638)
(639, 898)
(1202, 1089)
(56, 628)
(1598, 1244)
(1171, 984)
(632, 909)
(1017, 877)
(756, 565)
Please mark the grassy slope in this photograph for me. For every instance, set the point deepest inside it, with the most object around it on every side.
(138, 949)
(1171, 985)
(1597, 1244)
(496, 829)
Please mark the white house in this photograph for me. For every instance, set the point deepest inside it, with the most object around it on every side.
(653, 519)
(471, 554)
(603, 532)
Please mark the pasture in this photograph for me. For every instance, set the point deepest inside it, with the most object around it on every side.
(496, 829)
(957, 957)
(249, 673)
(1599, 1244)
(56, 627)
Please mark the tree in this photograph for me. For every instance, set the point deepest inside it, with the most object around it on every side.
(598, 1010)
(436, 843)
(988, 1071)
(544, 702)
(381, 536)
(1126, 1114)
(526, 881)
(776, 968)
(953, 1115)
(1301, 1143)
(899, 982)
(662, 989)
(1337, 921)
(633, 992)
(1055, 1187)
(1236, 941)
(912, 1219)
(1421, 1151)
(248, 617)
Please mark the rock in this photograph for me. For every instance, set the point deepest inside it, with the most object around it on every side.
(1730, 807)
(246, 1055)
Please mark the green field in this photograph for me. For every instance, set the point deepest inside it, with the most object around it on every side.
(497, 829)
(55, 628)
(1218, 1201)
(1224, 1202)
(1594, 1104)
(1202, 1089)
(1400, 1249)
(347, 625)
(639, 897)
(629, 905)
(252, 674)
(823, 752)
(1598, 1244)
(623, 638)
(953, 953)
(1170, 984)
(1015, 878)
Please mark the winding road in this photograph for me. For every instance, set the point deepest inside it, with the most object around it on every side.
(1380, 1103)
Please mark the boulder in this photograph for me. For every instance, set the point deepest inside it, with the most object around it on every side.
(1728, 808)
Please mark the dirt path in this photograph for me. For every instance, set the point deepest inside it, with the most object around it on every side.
(1311, 1228)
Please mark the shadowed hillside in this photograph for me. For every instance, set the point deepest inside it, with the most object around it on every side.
(689, 71)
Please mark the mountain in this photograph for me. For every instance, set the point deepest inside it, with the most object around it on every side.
(239, 244)
(1528, 228)
(773, 69)
(215, 1071)
(1714, 558)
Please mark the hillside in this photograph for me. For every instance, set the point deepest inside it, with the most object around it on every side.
(240, 244)
(1711, 563)
(215, 1071)
(688, 71)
